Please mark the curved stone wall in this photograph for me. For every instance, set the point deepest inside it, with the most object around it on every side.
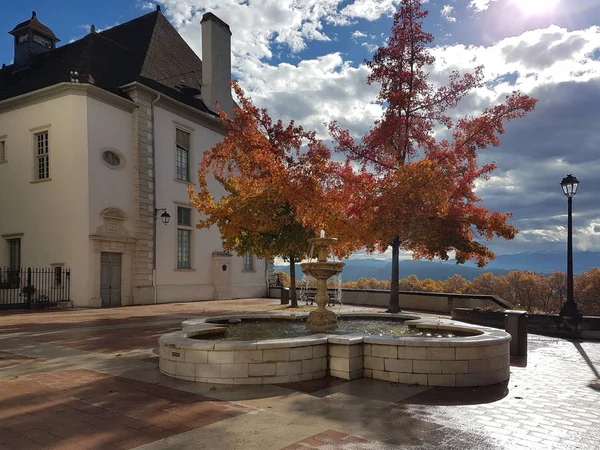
(477, 360)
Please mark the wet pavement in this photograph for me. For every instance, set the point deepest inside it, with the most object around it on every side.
(88, 379)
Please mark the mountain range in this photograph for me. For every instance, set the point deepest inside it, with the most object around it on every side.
(546, 262)
(539, 262)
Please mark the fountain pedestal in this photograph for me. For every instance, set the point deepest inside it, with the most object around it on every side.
(322, 319)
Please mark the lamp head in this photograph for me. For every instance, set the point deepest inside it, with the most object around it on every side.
(569, 185)
(165, 217)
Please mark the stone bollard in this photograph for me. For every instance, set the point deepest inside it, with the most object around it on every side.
(285, 296)
(515, 324)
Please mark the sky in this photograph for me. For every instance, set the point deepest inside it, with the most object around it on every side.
(304, 60)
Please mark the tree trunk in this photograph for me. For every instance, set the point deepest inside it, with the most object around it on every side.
(394, 305)
(293, 297)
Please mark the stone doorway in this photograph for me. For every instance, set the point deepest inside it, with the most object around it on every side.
(111, 238)
(110, 279)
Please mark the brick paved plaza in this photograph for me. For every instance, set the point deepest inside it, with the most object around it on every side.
(88, 379)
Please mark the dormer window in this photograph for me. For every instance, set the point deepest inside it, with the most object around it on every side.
(42, 41)
(32, 38)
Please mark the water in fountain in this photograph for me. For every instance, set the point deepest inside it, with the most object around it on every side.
(336, 281)
(307, 285)
(310, 253)
(273, 328)
(337, 284)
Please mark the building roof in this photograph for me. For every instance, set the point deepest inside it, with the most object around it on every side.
(35, 25)
(147, 50)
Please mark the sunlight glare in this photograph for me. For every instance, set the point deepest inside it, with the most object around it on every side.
(536, 6)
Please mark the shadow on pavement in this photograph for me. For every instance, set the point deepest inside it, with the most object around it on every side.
(594, 384)
(459, 396)
(586, 358)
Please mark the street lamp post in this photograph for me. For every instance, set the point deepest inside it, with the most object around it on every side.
(569, 186)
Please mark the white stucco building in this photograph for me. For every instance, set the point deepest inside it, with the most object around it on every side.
(98, 139)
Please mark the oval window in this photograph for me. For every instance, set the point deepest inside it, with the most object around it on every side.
(111, 158)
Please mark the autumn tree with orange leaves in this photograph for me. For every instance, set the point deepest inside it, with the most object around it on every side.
(280, 188)
(449, 217)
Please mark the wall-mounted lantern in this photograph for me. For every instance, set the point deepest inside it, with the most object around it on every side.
(165, 217)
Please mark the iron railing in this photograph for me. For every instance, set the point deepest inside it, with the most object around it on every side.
(40, 287)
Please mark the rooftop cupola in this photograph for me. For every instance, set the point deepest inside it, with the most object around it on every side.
(32, 38)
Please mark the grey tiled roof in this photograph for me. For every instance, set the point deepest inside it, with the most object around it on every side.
(35, 25)
(147, 50)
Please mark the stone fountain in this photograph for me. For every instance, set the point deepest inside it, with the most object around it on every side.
(322, 319)
(183, 354)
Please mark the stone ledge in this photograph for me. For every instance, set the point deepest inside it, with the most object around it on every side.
(546, 324)
(345, 351)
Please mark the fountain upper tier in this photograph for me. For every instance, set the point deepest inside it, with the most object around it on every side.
(322, 244)
(322, 269)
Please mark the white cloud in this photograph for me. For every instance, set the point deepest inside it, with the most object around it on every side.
(370, 9)
(480, 5)
(147, 5)
(446, 13)
(88, 27)
(363, 254)
(584, 238)
(588, 238)
(314, 92)
(370, 47)
(359, 35)
(258, 24)
(540, 57)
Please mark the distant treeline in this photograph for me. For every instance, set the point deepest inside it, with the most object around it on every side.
(525, 290)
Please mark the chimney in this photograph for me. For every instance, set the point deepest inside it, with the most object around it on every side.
(216, 63)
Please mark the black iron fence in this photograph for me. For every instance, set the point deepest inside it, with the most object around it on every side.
(40, 287)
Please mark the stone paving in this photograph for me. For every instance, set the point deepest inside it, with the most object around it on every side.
(119, 340)
(88, 379)
(10, 360)
(81, 408)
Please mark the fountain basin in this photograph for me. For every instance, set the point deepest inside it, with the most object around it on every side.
(478, 359)
(321, 269)
(273, 328)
